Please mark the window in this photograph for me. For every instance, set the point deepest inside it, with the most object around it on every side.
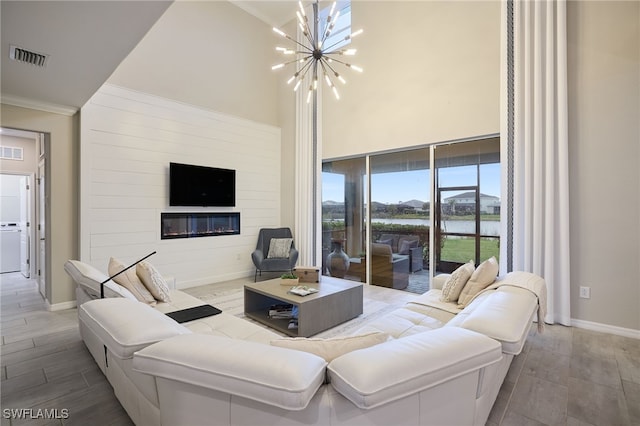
(342, 28)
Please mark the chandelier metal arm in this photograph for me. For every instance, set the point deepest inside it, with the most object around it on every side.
(330, 67)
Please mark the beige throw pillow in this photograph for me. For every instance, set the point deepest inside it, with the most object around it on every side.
(153, 281)
(279, 248)
(130, 281)
(484, 275)
(456, 282)
(332, 348)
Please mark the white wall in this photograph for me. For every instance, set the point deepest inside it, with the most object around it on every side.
(207, 53)
(604, 154)
(10, 186)
(28, 164)
(128, 139)
(431, 74)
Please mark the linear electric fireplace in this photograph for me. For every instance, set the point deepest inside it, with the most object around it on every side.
(191, 225)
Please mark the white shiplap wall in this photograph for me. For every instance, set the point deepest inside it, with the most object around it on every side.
(128, 139)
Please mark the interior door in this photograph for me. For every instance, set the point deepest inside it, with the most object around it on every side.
(41, 229)
(25, 226)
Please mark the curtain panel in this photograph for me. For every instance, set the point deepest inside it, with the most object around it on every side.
(535, 138)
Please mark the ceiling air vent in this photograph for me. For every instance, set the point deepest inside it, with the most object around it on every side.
(22, 55)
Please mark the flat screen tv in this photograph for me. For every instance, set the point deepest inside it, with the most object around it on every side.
(191, 185)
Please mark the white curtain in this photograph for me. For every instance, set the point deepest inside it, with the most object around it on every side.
(538, 197)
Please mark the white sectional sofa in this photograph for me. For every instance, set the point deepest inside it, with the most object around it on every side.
(439, 366)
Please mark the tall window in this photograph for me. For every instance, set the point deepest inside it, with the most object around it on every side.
(342, 26)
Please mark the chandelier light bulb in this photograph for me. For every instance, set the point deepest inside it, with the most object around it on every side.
(317, 52)
(333, 7)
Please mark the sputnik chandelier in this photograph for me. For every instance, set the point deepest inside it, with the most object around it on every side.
(312, 56)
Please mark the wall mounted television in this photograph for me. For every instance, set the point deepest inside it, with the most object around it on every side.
(191, 185)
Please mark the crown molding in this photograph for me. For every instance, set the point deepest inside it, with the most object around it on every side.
(38, 105)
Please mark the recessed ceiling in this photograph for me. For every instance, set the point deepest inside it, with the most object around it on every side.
(84, 42)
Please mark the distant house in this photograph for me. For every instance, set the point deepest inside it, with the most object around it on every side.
(465, 203)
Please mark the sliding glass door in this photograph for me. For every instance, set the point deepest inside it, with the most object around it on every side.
(344, 224)
(377, 213)
(400, 215)
(467, 203)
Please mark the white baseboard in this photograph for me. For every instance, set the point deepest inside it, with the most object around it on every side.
(61, 306)
(605, 328)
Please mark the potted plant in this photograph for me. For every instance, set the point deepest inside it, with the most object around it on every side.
(290, 279)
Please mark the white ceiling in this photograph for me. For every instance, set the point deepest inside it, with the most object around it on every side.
(85, 41)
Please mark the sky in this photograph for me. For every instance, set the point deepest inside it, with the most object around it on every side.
(414, 185)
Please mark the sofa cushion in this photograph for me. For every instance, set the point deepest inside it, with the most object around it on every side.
(405, 246)
(332, 348)
(130, 281)
(504, 314)
(482, 277)
(383, 373)
(126, 326)
(380, 249)
(456, 282)
(279, 248)
(153, 281)
(277, 376)
(89, 279)
(404, 322)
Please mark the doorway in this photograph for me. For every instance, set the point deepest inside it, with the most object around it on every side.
(22, 204)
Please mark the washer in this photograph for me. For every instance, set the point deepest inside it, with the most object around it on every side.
(9, 247)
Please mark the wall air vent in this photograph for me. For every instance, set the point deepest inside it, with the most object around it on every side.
(22, 55)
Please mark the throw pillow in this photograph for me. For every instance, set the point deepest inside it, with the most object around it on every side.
(279, 248)
(130, 281)
(332, 348)
(456, 282)
(484, 275)
(153, 281)
(406, 245)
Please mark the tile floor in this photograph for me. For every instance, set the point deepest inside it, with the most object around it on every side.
(565, 376)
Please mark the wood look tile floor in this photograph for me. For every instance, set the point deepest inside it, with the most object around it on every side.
(565, 376)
